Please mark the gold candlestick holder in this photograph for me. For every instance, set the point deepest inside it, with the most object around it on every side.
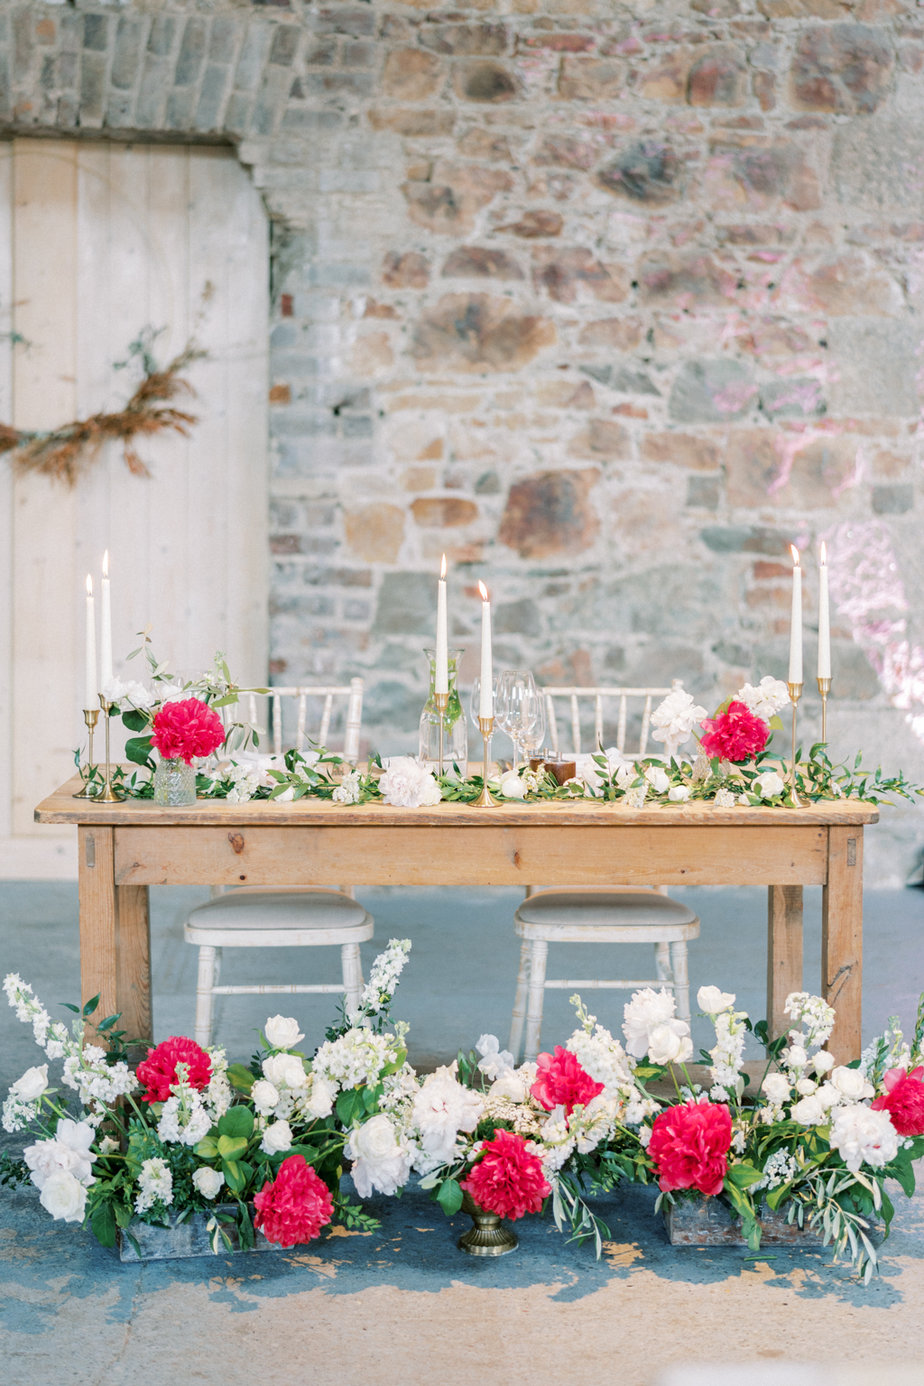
(795, 693)
(108, 794)
(442, 702)
(824, 688)
(90, 717)
(486, 727)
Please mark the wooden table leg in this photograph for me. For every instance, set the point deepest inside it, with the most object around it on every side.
(114, 936)
(784, 952)
(842, 940)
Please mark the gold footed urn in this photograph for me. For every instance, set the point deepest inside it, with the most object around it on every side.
(488, 1236)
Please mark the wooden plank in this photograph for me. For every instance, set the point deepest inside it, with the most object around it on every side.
(98, 919)
(460, 855)
(842, 941)
(784, 951)
(134, 962)
(6, 492)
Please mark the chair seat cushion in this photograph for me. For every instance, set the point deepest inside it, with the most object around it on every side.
(604, 907)
(282, 909)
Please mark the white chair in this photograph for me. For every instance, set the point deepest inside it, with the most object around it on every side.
(611, 914)
(257, 917)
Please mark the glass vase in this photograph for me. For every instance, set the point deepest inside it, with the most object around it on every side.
(455, 735)
(175, 783)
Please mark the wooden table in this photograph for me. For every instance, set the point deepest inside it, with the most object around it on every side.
(126, 847)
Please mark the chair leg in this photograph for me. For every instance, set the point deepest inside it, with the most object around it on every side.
(352, 975)
(681, 979)
(663, 962)
(519, 1003)
(538, 954)
(209, 964)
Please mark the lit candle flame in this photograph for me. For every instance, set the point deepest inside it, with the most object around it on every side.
(483, 590)
(795, 554)
(443, 567)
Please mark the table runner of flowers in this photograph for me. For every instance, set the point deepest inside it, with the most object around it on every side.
(263, 1145)
(732, 764)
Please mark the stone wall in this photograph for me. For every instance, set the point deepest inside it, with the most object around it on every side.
(609, 302)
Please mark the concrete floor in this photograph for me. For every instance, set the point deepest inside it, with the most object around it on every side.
(402, 1305)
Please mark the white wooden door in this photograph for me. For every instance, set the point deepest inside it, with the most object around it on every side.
(98, 242)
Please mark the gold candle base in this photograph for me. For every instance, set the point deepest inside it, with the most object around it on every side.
(442, 702)
(486, 727)
(90, 717)
(795, 693)
(824, 688)
(108, 794)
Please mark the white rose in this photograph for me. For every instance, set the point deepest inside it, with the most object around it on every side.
(265, 1096)
(282, 1032)
(795, 1056)
(32, 1083)
(320, 1101)
(851, 1083)
(811, 1111)
(712, 1001)
(806, 1086)
(670, 1043)
(828, 1095)
(512, 786)
(374, 1140)
(823, 1062)
(207, 1180)
(285, 1071)
(776, 1088)
(769, 784)
(679, 793)
(276, 1138)
(64, 1197)
(658, 778)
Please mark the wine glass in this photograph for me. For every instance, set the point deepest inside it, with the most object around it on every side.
(518, 706)
(532, 739)
(476, 699)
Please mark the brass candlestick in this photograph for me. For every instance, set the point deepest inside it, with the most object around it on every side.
(795, 693)
(108, 794)
(486, 727)
(824, 688)
(90, 717)
(442, 702)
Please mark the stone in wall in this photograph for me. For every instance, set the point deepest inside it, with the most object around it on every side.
(550, 514)
(474, 332)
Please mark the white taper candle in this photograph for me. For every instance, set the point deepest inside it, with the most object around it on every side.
(486, 691)
(441, 673)
(91, 691)
(795, 629)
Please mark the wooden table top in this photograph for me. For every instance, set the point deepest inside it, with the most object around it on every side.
(62, 807)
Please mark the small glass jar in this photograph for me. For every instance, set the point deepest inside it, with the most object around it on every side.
(455, 734)
(175, 782)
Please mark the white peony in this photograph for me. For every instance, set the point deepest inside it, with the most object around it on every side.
(674, 719)
(769, 785)
(380, 1160)
(862, 1136)
(208, 1181)
(442, 1108)
(32, 1083)
(64, 1196)
(851, 1083)
(282, 1032)
(775, 1087)
(646, 1010)
(276, 1138)
(265, 1096)
(408, 785)
(711, 1000)
(285, 1071)
(670, 1043)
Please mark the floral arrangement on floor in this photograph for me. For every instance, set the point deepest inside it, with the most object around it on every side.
(263, 1146)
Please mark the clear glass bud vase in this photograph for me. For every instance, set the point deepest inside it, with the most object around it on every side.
(455, 734)
(175, 782)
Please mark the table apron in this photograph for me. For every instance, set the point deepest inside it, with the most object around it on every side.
(457, 855)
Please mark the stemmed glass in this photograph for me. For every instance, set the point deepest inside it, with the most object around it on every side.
(518, 707)
(532, 740)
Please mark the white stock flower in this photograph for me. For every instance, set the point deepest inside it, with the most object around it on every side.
(64, 1196)
(320, 1100)
(764, 700)
(776, 1088)
(725, 798)
(646, 1009)
(851, 1083)
(349, 790)
(711, 1000)
(769, 785)
(408, 785)
(670, 1043)
(282, 1032)
(442, 1108)
(155, 1185)
(285, 1071)
(862, 1136)
(381, 1161)
(276, 1138)
(32, 1083)
(207, 1181)
(265, 1096)
(674, 719)
(679, 793)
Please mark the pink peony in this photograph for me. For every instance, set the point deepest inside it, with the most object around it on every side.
(562, 1082)
(158, 1070)
(508, 1179)
(689, 1145)
(903, 1099)
(295, 1205)
(734, 735)
(187, 729)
